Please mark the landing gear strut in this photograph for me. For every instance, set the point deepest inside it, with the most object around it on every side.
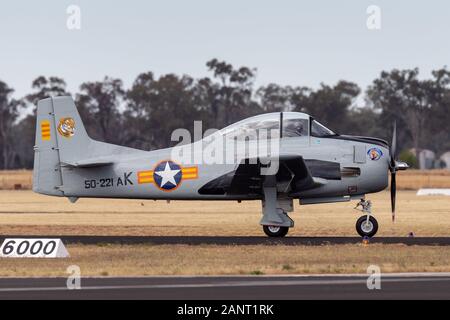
(367, 225)
(275, 220)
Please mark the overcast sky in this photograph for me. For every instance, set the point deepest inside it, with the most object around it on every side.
(289, 42)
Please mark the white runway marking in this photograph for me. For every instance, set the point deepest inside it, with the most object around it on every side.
(232, 284)
(285, 275)
(433, 192)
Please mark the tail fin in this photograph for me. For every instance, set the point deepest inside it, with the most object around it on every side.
(61, 141)
(46, 174)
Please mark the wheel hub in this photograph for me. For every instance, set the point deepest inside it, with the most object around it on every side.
(367, 226)
(274, 229)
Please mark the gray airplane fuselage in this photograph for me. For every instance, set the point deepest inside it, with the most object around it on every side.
(121, 180)
(316, 165)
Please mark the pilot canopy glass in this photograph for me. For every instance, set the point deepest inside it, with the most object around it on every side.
(319, 130)
(267, 126)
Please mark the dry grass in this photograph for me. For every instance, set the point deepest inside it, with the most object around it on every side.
(416, 179)
(408, 180)
(24, 212)
(19, 179)
(115, 260)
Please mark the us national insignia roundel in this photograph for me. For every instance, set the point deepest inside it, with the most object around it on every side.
(167, 175)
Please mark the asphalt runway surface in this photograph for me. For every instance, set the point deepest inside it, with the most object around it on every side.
(401, 286)
(235, 240)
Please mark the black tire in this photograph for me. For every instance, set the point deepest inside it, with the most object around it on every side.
(275, 232)
(364, 231)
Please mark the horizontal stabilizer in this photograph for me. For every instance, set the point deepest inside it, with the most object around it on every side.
(89, 163)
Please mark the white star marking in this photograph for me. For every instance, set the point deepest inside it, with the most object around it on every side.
(168, 175)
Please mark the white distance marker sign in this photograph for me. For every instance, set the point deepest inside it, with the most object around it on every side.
(33, 248)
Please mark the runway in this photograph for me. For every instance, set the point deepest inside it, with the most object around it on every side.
(206, 240)
(400, 286)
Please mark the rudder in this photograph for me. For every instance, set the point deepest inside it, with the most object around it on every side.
(47, 172)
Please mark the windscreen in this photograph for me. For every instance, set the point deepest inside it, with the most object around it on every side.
(319, 130)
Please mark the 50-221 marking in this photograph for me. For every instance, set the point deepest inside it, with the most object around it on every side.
(102, 183)
(109, 182)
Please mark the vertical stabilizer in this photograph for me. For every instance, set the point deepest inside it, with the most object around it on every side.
(47, 172)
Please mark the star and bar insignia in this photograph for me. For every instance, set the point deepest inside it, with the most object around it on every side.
(167, 175)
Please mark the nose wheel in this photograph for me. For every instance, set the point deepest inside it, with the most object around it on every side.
(367, 228)
(367, 225)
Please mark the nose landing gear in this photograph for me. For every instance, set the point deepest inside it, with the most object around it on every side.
(367, 225)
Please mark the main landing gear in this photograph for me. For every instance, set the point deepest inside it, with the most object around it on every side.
(275, 220)
(367, 225)
(275, 231)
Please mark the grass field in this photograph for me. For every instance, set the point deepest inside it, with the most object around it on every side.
(117, 260)
(18, 179)
(25, 213)
(416, 179)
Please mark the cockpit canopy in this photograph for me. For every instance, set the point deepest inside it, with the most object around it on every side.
(319, 130)
(267, 126)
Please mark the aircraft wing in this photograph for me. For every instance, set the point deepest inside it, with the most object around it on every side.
(294, 175)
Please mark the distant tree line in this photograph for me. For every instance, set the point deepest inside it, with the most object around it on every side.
(145, 115)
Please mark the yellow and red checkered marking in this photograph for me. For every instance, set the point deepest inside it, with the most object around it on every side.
(45, 130)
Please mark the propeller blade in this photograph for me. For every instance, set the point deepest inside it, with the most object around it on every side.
(393, 194)
(393, 147)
